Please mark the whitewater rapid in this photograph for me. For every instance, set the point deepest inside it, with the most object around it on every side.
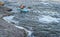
(44, 18)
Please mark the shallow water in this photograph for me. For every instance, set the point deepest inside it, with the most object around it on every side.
(43, 20)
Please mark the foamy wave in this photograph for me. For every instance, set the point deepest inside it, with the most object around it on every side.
(9, 19)
(48, 19)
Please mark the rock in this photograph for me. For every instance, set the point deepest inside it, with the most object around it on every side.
(8, 10)
(11, 30)
(1, 3)
(5, 9)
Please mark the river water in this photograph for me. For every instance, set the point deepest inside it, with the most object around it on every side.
(42, 21)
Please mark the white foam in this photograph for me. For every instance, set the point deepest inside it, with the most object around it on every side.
(9, 19)
(29, 32)
(48, 19)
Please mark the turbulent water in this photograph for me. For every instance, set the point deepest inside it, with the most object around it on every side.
(43, 20)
